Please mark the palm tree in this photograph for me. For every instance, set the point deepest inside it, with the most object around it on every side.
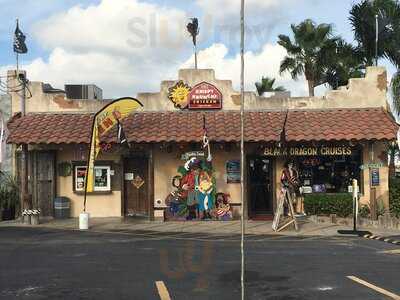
(309, 53)
(395, 89)
(393, 151)
(348, 64)
(363, 21)
(362, 18)
(267, 85)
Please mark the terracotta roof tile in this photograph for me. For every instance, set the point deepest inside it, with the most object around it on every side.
(222, 126)
(340, 124)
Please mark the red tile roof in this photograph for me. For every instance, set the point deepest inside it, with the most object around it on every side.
(186, 126)
(340, 124)
(46, 128)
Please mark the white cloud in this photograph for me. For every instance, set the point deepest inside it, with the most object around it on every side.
(263, 63)
(123, 46)
(116, 75)
(127, 46)
(118, 26)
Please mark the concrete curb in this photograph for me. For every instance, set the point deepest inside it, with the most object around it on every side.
(381, 238)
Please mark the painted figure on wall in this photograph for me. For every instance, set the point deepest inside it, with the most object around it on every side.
(190, 188)
(195, 192)
(223, 208)
(206, 201)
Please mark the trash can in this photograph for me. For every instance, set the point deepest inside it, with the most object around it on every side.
(62, 208)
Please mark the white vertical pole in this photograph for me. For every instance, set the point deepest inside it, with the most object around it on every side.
(376, 39)
(195, 56)
(355, 203)
(242, 145)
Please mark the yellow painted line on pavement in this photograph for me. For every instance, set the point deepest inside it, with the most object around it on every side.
(162, 290)
(396, 251)
(375, 288)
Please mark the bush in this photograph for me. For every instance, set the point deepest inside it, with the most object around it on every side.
(9, 193)
(364, 211)
(326, 204)
(394, 196)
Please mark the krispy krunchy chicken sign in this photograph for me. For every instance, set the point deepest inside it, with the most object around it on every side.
(202, 96)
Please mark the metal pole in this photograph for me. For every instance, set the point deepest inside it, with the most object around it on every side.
(376, 39)
(355, 204)
(242, 147)
(195, 56)
(17, 52)
(17, 63)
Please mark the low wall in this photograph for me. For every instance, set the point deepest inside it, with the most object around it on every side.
(384, 222)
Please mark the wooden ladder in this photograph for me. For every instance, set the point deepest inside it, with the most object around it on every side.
(285, 197)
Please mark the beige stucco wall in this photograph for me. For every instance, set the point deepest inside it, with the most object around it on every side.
(371, 153)
(360, 92)
(38, 101)
(97, 205)
(166, 165)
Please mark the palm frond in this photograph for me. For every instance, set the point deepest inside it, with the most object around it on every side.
(395, 89)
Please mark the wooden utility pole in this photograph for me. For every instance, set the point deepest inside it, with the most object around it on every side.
(24, 148)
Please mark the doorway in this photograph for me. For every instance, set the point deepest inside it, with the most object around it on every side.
(41, 179)
(260, 186)
(136, 180)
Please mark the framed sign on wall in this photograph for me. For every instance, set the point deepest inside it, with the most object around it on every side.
(233, 171)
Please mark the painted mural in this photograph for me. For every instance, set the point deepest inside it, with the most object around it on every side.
(195, 196)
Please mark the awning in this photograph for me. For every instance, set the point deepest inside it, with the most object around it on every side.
(222, 126)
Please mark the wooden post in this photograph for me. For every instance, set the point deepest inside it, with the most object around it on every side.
(373, 204)
(24, 149)
(150, 185)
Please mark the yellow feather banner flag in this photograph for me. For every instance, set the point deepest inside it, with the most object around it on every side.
(103, 121)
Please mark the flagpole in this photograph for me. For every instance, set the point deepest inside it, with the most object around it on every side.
(17, 52)
(195, 56)
(242, 147)
(376, 39)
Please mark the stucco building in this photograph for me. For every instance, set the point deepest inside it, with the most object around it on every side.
(330, 139)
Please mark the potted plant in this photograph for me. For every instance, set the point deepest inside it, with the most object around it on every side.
(31, 216)
(35, 216)
(26, 216)
(9, 196)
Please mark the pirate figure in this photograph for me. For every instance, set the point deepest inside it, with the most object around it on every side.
(190, 187)
(290, 180)
(206, 201)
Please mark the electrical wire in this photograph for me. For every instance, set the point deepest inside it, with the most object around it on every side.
(6, 88)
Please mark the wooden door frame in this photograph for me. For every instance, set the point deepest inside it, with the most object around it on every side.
(33, 160)
(148, 155)
(250, 213)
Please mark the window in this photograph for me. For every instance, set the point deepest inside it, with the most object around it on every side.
(331, 174)
(102, 179)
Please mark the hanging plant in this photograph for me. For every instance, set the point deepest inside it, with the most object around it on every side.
(64, 169)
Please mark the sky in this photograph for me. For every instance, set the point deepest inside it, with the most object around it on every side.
(129, 46)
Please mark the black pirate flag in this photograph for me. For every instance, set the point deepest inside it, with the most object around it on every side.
(19, 41)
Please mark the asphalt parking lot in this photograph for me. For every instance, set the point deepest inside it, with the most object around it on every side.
(43, 263)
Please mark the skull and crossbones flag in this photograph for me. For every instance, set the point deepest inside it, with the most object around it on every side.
(19, 41)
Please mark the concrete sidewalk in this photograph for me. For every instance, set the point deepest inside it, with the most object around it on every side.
(307, 228)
